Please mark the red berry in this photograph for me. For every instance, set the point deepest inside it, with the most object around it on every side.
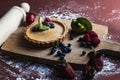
(89, 73)
(99, 65)
(30, 18)
(96, 60)
(47, 20)
(67, 72)
(87, 38)
(46, 23)
(70, 72)
(88, 68)
(95, 42)
(92, 34)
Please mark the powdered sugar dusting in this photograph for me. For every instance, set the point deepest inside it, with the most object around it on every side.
(110, 68)
(83, 10)
(26, 70)
(95, 12)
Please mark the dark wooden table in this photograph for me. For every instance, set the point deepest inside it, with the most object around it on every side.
(105, 12)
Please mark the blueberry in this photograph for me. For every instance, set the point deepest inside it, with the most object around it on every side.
(53, 50)
(71, 36)
(51, 25)
(60, 53)
(84, 44)
(88, 44)
(80, 39)
(35, 28)
(54, 46)
(69, 49)
(83, 53)
(69, 45)
(61, 44)
(64, 49)
(62, 57)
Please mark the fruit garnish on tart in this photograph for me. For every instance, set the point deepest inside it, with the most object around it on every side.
(46, 32)
(42, 27)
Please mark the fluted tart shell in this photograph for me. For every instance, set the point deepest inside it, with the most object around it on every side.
(49, 37)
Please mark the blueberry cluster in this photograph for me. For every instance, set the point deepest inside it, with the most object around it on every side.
(84, 43)
(48, 22)
(63, 49)
(54, 49)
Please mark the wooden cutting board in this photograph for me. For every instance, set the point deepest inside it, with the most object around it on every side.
(17, 46)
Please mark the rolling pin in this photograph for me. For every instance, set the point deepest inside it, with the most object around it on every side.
(11, 20)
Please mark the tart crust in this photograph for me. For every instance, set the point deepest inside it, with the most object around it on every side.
(49, 37)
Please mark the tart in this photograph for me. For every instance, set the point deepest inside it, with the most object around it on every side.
(48, 37)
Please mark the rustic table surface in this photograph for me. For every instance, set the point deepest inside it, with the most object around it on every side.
(105, 12)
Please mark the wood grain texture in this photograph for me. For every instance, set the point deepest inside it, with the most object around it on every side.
(17, 45)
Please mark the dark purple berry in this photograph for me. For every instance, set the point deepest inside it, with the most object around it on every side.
(51, 25)
(69, 45)
(89, 73)
(83, 53)
(64, 49)
(53, 50)
(35, 28)
(47, 20)
(61, 44)
(83, 44)
(87, 38)
(88, 44)
(30, 18)
(66, 71)
(93, 34)
(55, 47)
(62, 57)
(69, 49)
(46, 23)
(72, 36)
(60, 53)
(80, 39)
(95, 41)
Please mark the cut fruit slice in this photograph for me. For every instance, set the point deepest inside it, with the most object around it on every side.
(86, 23)
(81, 25)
